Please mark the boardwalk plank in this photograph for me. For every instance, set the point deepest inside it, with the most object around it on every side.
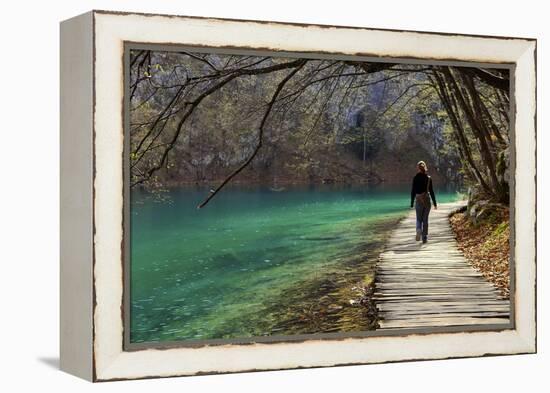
(449, 321)
(429, 285)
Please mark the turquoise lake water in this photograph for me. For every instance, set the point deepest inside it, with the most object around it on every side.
(227, 270)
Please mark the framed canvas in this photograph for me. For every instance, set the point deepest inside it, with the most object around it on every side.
(247, 195)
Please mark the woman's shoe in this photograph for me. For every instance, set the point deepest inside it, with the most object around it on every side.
(424, 240)
(418, 234)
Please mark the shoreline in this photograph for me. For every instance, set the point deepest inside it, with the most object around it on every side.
(281, 182)
(338, 301)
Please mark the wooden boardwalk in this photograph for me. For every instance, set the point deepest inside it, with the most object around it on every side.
(428, 285)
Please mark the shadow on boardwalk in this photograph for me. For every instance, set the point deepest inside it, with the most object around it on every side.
(432, 284)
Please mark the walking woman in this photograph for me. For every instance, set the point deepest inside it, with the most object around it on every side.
(422, 185)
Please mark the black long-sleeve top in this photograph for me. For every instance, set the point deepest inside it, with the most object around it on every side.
(419, 186)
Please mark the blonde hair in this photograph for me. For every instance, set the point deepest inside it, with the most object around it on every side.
(422, 166)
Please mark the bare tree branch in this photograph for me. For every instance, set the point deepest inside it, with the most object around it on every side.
(260, 135)
(193, 104)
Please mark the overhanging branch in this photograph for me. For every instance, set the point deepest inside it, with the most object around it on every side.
(260, 135)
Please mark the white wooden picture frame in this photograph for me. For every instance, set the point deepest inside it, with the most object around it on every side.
(92, 192)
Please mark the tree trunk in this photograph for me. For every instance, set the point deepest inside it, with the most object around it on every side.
(452, 111)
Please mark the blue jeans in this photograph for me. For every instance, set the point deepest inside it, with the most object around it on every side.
(422, 213)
